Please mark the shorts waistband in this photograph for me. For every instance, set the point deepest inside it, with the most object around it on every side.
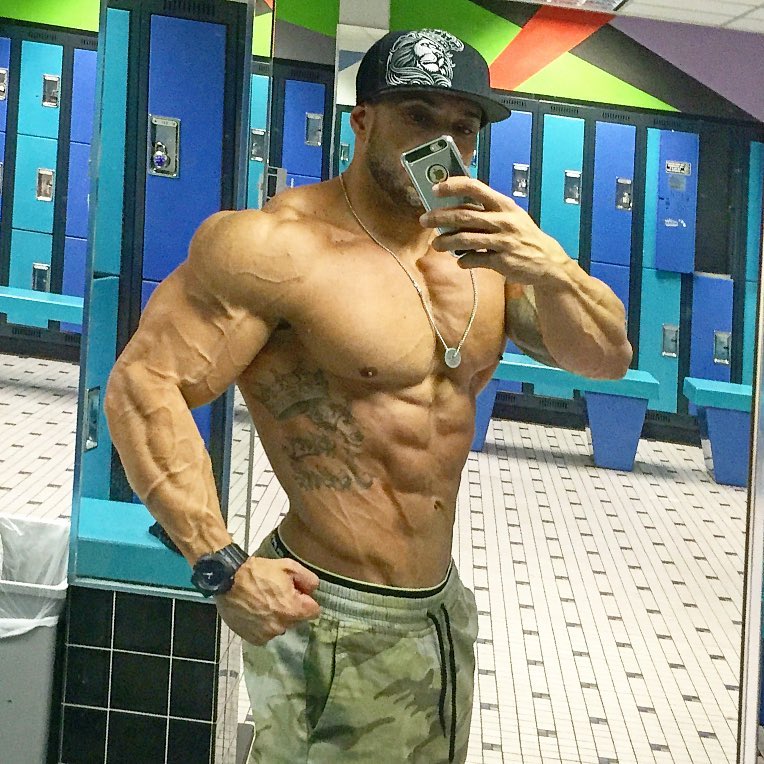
(388, 606)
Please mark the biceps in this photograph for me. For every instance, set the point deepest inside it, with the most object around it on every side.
(192, 341)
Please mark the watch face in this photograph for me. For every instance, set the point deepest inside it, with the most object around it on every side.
(210, 575)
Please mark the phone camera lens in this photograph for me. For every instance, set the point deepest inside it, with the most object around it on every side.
(437, 173)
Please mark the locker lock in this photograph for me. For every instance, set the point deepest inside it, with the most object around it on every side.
(314, 129)
(3, 84)
(344, 153)
(92, 414)
(51, 87)
(257, 145)
(670, 344)
(520, 177)
(572, 187)
(722, 341)
(164, 146)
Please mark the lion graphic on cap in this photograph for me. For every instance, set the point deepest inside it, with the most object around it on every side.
(423, 58)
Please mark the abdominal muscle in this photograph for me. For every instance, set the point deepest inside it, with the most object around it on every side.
(372, 476)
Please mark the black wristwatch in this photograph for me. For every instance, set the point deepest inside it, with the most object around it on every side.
(214, 573)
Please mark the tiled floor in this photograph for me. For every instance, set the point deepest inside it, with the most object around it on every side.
(610, 601)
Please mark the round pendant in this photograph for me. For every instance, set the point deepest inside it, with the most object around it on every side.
(452, 358)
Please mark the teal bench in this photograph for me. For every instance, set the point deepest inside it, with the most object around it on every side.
(28, 306)
(724, 420)
(615, 409)
(113, 543)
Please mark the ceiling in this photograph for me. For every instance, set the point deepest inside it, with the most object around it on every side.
(745, 15)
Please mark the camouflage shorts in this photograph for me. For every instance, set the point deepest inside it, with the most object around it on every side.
(379, 677)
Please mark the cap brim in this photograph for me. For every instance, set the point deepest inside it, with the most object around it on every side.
(494, 110)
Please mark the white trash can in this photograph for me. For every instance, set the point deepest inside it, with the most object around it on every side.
(33, 562)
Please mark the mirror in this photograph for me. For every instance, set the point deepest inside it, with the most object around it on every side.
(611, 601)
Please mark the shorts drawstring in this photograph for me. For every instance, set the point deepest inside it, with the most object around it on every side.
(444, 678)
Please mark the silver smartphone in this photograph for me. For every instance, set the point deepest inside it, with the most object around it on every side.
(433, 162)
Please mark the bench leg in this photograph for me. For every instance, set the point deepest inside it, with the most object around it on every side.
(615, 425)
(483, 413)
(725, 436)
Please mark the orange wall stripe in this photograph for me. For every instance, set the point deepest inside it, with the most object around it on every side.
(548, 35)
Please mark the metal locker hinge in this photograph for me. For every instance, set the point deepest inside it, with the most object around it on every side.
(520, 173)
(45, 184)
(164, 146)
(92, 414)
(275, 181)
(670, 344)
(257, 145)
(3, 84)
(572, 187)
(722, 343)
(623, 194)
(40, 277)
(51, 90)
(314, 129)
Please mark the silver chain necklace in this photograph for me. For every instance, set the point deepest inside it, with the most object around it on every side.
(452, 356)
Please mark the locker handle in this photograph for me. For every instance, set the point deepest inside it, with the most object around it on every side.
(722, 348)
(51, 85)
(572, 187)
(314, 129)
(623, 194)
(520, 175)
(344, 152)
(45, 184)
(670, 345)
(40, 277)
(3, 84)
(257, 145)
(92, 414)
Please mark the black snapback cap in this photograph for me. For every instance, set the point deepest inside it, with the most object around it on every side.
(428, 60)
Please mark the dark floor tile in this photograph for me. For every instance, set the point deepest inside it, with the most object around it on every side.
(87, 676)
(84, 736)
(135, 739)
(90, 616)
(189, 742)
(192, 693)
(140, 683)
(195, 630)
(142, 624)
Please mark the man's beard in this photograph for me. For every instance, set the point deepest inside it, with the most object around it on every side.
(400, 192)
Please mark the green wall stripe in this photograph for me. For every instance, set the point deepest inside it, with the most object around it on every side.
(261, 37)
(485, 31)
(73, 14)
(571, 77)
(317, 15)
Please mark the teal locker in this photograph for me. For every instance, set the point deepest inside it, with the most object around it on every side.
(562, 165)
(2, 169)
(347, 141)
(40, 89)
(31, 254)
(35, 183)
(659, 333)
(755, 189)
(258, 123)
(749, 330)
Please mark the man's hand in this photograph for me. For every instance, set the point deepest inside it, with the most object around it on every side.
(513, 244)
(267, 598)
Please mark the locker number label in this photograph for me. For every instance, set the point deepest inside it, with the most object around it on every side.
(678, 168)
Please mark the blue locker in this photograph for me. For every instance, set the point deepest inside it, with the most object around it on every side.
(110, 189)
(79, 187)
(616, 277)
(147, 289)
(28, 248)
(562, 165)
(347, 142)
(75, 257)
(749, 330)
(659, 334)
(677, 201)
(293, 181)
(2, 162)
(711, 326)
(83, 96)
(755, 187)
(510, 157)
(100, 342)
(614, 152)
(40, 93)
(35, 183)
(302, 152)
(652, 162)
(258, 123)
(176, 206)
(5, 63)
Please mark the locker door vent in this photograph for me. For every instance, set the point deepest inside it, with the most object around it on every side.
(21, 331)
(565, 110)
(670, 124)
(198, 8)
(615, 116)
(90, 43)
(514, 102)
(42, 36)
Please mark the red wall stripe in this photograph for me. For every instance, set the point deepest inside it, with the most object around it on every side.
(551, 32)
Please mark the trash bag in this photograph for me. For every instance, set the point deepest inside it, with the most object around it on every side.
(33, 566)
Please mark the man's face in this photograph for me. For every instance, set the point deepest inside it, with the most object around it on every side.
(402, 122)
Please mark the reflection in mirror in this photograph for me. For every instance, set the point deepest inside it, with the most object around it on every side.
(607, 567)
